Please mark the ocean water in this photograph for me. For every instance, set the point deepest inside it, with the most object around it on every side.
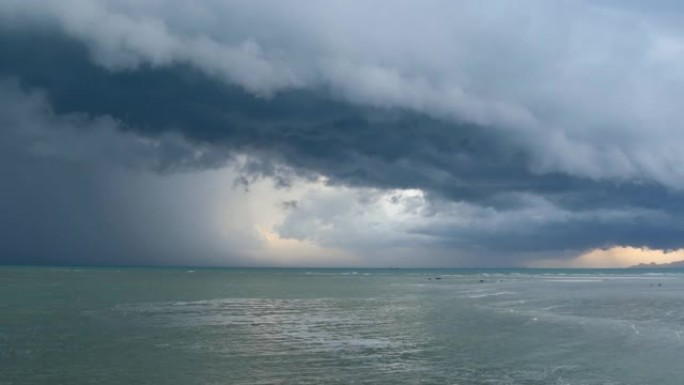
(335, 326)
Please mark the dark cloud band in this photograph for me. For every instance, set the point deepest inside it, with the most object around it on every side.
(320, 129)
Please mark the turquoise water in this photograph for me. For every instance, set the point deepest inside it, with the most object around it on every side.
(337, 326)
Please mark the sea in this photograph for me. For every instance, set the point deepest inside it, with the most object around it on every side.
(167, 326)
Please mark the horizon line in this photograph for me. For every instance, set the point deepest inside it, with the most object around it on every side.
(171, 266)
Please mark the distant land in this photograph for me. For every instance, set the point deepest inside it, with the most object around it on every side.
(653, 265)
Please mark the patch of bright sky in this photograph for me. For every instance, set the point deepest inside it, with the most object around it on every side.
(615, 257)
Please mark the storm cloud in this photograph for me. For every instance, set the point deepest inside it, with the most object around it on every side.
(439, 133)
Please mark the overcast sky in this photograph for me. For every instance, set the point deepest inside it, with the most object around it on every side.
(341, 133)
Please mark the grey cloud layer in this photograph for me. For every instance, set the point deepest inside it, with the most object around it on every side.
(574, 104)
(588, 89)
(66, 196)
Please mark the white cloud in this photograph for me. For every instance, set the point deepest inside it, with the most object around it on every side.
(379, 223)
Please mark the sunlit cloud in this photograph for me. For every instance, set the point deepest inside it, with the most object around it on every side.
(615, 257)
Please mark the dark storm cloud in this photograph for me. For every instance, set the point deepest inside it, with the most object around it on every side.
(309, 130)
(480, 126)
(66, 196)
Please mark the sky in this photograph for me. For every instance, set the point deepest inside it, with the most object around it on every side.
(401, 133)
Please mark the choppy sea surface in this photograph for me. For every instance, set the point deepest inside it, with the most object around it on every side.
(340, 326)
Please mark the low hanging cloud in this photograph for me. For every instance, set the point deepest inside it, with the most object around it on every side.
(521, 127)
(618, 257)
